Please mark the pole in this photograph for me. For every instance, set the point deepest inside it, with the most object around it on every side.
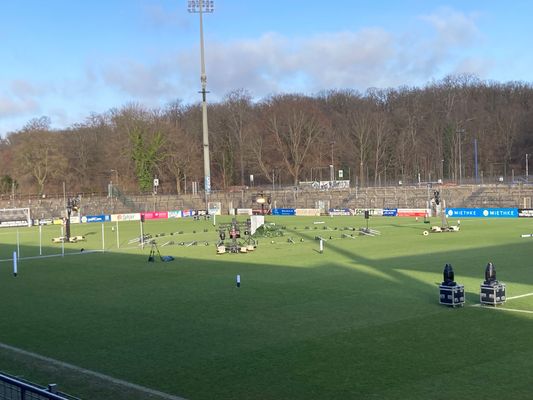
(62, 243)
(15, 267)
(200, 7)
(142, 234)
(103, 238)
(475, 159)
(40, 239)
(527, 167)
(332, 169)
(118, 238)
(205, 131)
(460, 132)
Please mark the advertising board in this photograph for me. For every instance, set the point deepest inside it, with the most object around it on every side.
(283, 211)
(525, 212)
(412, 212)
(482, 212)
(175, 214)
(309, 212)
(95, 218)
(339, 211)
(155, 215)
(126, 217)
(390, 212)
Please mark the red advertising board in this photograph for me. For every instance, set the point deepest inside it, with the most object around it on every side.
(155, 215)
(412, 212)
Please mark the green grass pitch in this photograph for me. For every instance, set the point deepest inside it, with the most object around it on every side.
(359, 321)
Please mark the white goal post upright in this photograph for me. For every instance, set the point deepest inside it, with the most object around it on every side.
(40, 239)
(118, 236)
(62, 243)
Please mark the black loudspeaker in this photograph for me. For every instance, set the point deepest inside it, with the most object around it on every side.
(367, 214)
(142, 217)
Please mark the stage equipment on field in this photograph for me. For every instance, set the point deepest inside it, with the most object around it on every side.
(232, 241)
(491, 291)
(154, 250)
(451, 293)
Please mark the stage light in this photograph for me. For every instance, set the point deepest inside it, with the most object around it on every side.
(490, 274)
(451, 293)
(448, 275)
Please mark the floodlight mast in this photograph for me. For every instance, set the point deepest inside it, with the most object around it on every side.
(201, 7)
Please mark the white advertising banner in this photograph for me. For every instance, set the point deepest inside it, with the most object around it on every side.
(126, 217)
(309, 212)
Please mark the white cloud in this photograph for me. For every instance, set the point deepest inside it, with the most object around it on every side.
(453, 28)
(347, 59)
(362, 59)
(11, 107)
(271, 63)
(156, 16)
(24, 89)
(22, 97)
(138, 79)
(474, 65)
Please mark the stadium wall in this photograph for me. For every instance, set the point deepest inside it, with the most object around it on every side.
(474, 196)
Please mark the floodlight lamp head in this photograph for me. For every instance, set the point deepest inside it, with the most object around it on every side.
(204, 6)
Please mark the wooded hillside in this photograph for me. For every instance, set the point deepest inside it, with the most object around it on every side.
(378, 137)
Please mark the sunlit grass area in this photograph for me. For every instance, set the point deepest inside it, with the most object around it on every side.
(361, 320)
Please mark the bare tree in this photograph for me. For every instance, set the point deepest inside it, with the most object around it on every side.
(38, 152)
(295, 123)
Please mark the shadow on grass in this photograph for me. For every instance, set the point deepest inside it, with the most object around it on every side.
(353, 322)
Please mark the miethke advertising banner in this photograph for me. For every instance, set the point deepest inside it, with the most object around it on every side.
(482, 212)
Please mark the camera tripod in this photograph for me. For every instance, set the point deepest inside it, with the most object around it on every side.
(153, 251)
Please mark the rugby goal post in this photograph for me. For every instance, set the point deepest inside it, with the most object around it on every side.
(11, 217)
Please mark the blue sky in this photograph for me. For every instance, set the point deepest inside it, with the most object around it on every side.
(66, 59)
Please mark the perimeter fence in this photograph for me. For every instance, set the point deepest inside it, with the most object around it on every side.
(13, 388)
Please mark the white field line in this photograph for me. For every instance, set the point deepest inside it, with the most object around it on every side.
(98, 375)
(507, 309)
(503, 309)
(53, 255)
(508, 298)
(522, 295)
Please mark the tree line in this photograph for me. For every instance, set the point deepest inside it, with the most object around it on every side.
(458, 129)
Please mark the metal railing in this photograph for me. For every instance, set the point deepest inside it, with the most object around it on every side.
(12, 388)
